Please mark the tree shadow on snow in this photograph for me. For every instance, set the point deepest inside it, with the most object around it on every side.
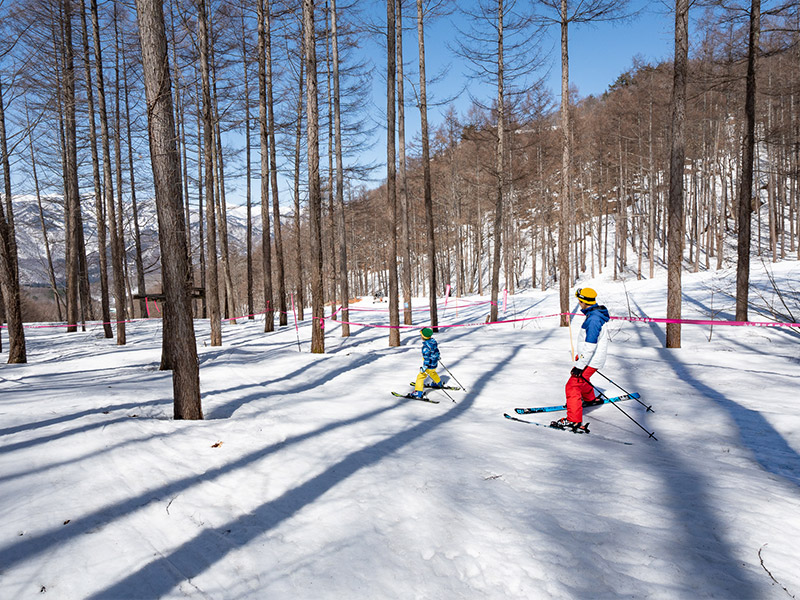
(264, 390)
(212, 545)
(33, 545)
(707, 562)
(768, 447)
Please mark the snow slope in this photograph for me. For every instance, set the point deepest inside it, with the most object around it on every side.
(307, 479)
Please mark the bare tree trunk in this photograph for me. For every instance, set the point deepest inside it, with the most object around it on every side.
(298, 133)
(332, 267)
(165, 159)
(221, 209)
(50, 270)
(137, 237)
(314, 194)
(405, 207)
(180, 114)
(248, 173)
(677, 155)
(426, 168)
(391, 169)
(108, 185)
(221, 204)
(337, 115)
(566, 162)
(200, 199)
(266, 245)
(745, 203)
(273, 160)
(118, 159)
(651, 188)
(105, 308)
(71, 192)
(9, 270)
(499, 165)
(212, 277)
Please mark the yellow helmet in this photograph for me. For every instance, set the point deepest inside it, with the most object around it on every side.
(586, 295)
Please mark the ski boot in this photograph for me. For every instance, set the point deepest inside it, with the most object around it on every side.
(572, 426)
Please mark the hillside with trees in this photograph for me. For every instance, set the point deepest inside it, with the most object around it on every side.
(270, 101)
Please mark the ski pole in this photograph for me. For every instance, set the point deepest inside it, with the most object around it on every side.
(649, 408)
(446, 394)
(453, 376)
(649, 433)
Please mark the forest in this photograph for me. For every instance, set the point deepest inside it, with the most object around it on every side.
(114, 115)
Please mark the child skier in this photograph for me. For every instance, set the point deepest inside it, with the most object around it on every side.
(430, 360)
(592, 349)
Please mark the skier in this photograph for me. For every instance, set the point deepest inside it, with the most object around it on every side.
(592, 349)
(430, 360)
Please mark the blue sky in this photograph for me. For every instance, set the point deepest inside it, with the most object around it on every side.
(598, 55)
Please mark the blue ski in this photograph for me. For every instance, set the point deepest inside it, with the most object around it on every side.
(598, 402)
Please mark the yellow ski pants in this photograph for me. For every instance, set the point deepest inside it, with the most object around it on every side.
(419, 385)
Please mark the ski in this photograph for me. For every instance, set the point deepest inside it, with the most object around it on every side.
(444, 387)
(410, 397)
(598, 402)
(547, 426)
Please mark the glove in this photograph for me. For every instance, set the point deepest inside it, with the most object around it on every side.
(576, 372)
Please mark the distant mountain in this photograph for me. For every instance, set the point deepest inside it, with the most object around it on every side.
(30, 239)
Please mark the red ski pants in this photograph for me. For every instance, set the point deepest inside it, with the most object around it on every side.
(577, 391)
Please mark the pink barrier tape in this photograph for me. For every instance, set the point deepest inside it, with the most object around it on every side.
(708, 322)
(440, 326)
(87, 324)
(632, 319)
(147, 306)
(127, 321)
(476, 324)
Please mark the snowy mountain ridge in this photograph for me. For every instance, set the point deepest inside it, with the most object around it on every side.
(30, 239)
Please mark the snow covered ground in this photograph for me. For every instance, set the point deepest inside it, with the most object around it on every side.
(307, 479)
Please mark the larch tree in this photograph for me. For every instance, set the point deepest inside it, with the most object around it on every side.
(405, 206)
(676, 168)
(427, 192)
(9, 269)
(266, 245)
(314, 186)
(563, 13)
(745, 198)
(105, 306)
(165, 159)
(499, 161)
(391, 172)
(117, 270)
(212, 277)
(273, 168)
(344, 288)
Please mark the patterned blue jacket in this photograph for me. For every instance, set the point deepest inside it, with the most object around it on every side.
(430, 353)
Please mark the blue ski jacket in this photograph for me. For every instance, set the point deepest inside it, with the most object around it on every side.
(430, 353)
(593, 341)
